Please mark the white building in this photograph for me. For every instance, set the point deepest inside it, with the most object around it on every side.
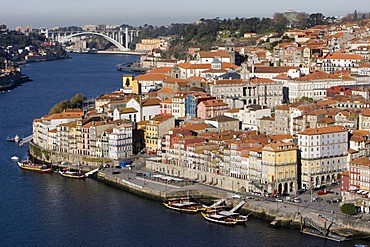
(146, 109)
(323, 154)
(41, 127)
(120, 142)
(314, 85)
(251, 116)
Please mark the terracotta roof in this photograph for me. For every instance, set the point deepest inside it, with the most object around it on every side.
(280, 147)
(127, 110)
(163, 70)
(223, 118)
(283, 107)
(364, 161)
(64, 115)
(345, 56)
(161, 117)
(213, 102)
(151, 102)
(323, 130)
(165, 90)
(150, 77)
(212, 54)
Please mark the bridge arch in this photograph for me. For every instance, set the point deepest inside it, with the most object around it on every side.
(114, 42)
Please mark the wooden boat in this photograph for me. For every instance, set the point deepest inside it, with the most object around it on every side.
(72, 174)
(183, 204)
(220, 219)
(26, 165)
(240, 219)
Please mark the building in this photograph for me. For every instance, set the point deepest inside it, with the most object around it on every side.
(279, 168)
(211, 108)
(157, 127)
(323, 154)
(222, 123)
(120, 142)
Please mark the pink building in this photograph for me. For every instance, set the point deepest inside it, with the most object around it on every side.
(211, 108)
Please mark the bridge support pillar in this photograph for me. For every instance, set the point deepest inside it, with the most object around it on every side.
(126, 41)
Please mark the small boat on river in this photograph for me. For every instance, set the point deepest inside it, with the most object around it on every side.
(27, 165)
(240, 219)
(14, 157)
(219, 218)
(72, 174)
(183, 204)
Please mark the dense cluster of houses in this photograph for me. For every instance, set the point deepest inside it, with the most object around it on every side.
(293, 118)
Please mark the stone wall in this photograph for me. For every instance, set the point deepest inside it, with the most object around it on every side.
(215, 180)
(54, 157)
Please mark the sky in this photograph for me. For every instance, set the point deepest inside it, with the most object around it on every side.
(62, 13)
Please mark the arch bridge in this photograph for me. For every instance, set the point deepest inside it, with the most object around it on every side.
(120, 38)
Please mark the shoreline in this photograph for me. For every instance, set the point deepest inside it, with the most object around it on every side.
(206, 194)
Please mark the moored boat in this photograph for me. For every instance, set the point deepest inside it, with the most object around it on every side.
(72, 174)
(183, 204)
(26, 165)
(220, 219)
(14, 157)
(240, 219)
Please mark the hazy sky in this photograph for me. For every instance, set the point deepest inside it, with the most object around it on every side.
(48, 13)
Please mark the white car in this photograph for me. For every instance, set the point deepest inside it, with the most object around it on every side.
(236, 196)
(279, 200)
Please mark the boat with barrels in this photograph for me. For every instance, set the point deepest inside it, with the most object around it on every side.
(183, 204)
(28, 165)
(72, 174)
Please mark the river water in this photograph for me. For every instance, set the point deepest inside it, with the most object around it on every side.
(49, 210)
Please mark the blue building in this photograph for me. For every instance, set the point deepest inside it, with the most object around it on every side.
(192, 101)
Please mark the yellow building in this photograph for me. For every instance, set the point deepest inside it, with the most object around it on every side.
(157, 127)
(279, 167)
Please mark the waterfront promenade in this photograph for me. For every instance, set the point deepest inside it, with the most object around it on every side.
(285, 213)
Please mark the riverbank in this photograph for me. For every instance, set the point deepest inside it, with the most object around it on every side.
(307, 219)
(306, 215)
(11, 81)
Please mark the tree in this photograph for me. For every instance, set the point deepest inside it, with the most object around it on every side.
(77, 100)
(316, 19)
(280, 22)
(348, 209)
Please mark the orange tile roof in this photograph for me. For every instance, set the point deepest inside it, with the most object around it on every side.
(212, 54)
(280, 146)
(323, 130)
(151, 102)
(150, 77)
(163, 70)
(345, 56)
(165, 90)
(64, 115)
(167, 101)
(283, 107)
(364, 161)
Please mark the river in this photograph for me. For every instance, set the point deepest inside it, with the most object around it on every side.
(49, 210)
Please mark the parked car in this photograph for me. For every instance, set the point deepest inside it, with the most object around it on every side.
(297, 200)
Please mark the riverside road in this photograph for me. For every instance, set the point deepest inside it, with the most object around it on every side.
(322, 205)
